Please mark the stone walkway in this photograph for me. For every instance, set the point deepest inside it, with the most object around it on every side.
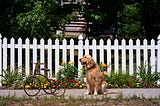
(80, 93)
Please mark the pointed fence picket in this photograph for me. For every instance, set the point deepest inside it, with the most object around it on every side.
(122, 55)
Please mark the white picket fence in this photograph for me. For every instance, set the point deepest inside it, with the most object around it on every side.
(122, 55)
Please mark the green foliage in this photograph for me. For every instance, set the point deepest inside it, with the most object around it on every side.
(68, 74)
(93, 16)
(40, 18)
(83, 72)
(33, 18)
(103, 66)
(130, 21)
(12, 78)
(36, 21)
(147, 77)
(67, 71)
(120, 80)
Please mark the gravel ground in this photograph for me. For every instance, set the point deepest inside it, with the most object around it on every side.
(76, 97)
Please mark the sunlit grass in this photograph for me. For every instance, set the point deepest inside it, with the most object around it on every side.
(73, 101)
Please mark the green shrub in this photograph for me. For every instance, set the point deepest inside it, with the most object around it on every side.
(12, 78)
(120, 80)
(67, 71)
(147, 77)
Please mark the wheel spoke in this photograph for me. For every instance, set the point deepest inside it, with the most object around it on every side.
(32, 86)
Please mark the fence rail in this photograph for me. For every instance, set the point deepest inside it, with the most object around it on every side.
(122, 55)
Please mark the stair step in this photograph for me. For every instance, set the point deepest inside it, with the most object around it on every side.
(74, 29)
(81, 19)
(72, 34)
(75, 25)
(78, 22)
(73, 2)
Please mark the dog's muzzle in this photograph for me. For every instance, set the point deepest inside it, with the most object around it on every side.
(83, 63)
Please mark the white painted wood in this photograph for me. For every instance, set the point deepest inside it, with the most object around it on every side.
(94, 50)
(145, 53)
(72, 50)
(158, 54)
(80, 52)
(56, 56)
(19, 55)
(130, 57)
(152, 58)
(50, 57)
(116, 56)
(86, 47)
(27, 56)
(35, 47)
(12, 56)
(123, 61)
(138, 54)
(64, 50)
(1, 59)
(101, 51)
(109, 55)
(5, 54)
(151, 53)
(42, 54)
(158, 57)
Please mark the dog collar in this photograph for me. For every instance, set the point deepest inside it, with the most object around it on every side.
(91, 67)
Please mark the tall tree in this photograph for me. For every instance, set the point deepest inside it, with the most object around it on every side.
(129, 21)
(33, 18)
(150, 15)
(7, 17)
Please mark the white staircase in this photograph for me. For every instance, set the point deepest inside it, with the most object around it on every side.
(74, 28)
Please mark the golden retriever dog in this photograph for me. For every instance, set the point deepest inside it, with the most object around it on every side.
(94, 77)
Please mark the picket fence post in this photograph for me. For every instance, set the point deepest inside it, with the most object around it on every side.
(158, 54)
(109, 55)
(153, 57)
(64, 50)
(123, 56)
(158, 57)
(71, 50)
(138, 53)
(101, 51)
(116, 56)
(86, 47)
(19, 55)
(80, 51)
(0, 59)
(83, 47)
(12, 56)
(27, 56)
(57, 47)
(50, 56)
(34, 52)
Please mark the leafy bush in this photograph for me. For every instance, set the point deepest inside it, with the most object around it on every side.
(129, 21)
(120, 80)
(147, 77)
(67, 71)
(12, 78)
(104, 69)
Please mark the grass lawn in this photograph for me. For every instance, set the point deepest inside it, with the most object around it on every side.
(71, 101)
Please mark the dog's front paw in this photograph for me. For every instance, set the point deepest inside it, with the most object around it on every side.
(87, 93)
(95, 93)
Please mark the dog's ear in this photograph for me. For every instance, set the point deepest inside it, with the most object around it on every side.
(90, 64)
